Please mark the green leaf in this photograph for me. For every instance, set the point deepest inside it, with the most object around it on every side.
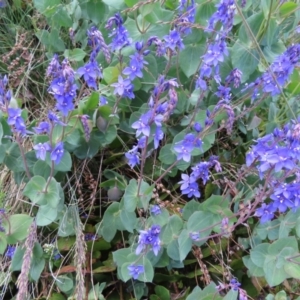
(129, 220)
(131, 3)
(254, 22)
(154, 13)
(273, 275)
(46, 215)
(130, 197)
(3, 243)
(172, 229)
(162, 292)
(259, 253)
(64, 165)
(231, 295)
(187, 58)
(120, 256)
(108, 228)
(35, 191)
(95, 10)
(42, 169)
(76, 54)
(61, 18)
(185, 244)
(173, 250)
(64, 283)
(37, 262)
(46, 7)
(292, 268)
(166, 155)
(287, 8)
(277, 246)
(245, 59)
(16, 227)
(110, 74)
(199, 221)
(13, 159)
(117, 4)
(191, 207)
(253, 270)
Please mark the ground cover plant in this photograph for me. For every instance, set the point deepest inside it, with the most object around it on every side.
(149, 149)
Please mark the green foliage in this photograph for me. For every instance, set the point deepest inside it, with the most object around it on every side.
(98, 212)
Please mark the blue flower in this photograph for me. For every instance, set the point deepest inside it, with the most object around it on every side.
(234, 284)
(135, 270)
(133, 157)
(195, 236)
(185, 147)
(10, 251)
(265, 212)
(149, 238)
(123, 88)
(41, 150)
(192, 190)
(119, 33)
(53, 118)
(142, 125)
(173, 41)
(43, 127)
(57, 153)
(155, 210)
(90, 72)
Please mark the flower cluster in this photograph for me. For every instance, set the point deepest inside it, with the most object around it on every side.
(91, 71)
(217, 50)
(5, 93)
(10, 251)
(187, 12)
(62, 86)
(276, 156)
(155, 210)
(16, 121)
(118, 32)
(276, 76)
(185, 147)
(189, 185)
(149, 238)
(90, 237)
(149, 125)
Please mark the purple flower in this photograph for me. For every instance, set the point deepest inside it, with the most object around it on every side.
(41, 150)
(158, 136)
(90, 237)
(53, 118)
(119, 33)
(142, 125)
(173, 41)
(265, 212)
(57, 153)
(234, 284)
(96, 41)
(44, 127)
(135, 66)
(102, 101)
(90, 72)
(123, 88)
(197, 127)
(133, 157)
(184, 148)
(195, 236)
(155, 210)
(149, 238)
(135, 270)
(192, 190)
(10, 251)
(15, 119)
